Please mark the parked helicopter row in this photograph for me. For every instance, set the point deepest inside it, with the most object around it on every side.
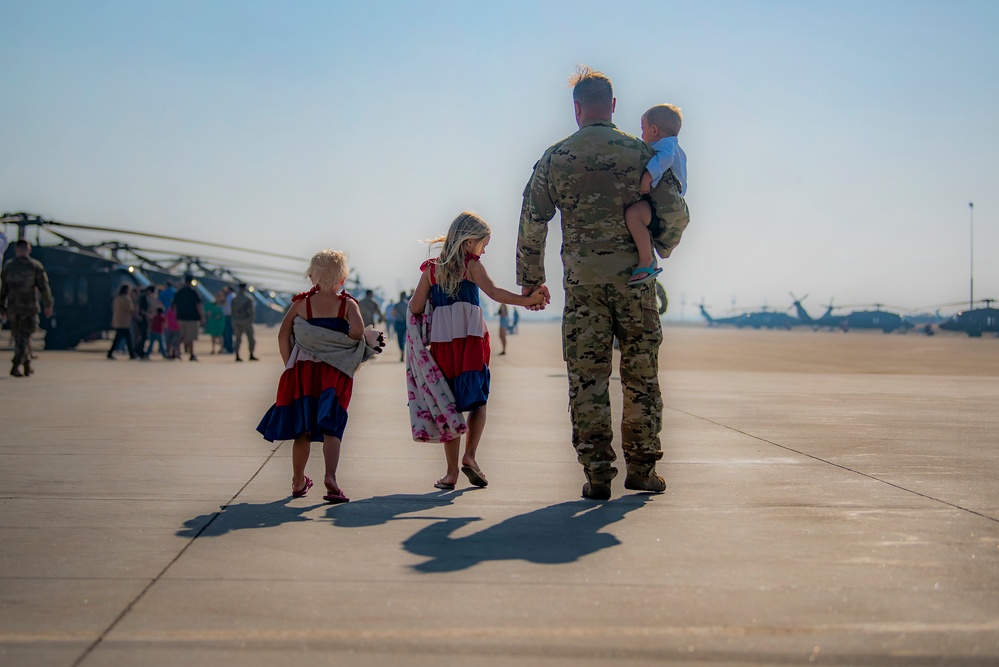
(84, 277)
(973, 321)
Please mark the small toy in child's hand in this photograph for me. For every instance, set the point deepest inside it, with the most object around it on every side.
(374, 339)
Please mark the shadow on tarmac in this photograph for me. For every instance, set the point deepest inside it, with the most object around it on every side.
(557, 534)
(357, 514)
(552, 535)
(246, 515)
(382, 509)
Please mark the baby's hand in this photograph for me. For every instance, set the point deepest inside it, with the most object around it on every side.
(646, 185)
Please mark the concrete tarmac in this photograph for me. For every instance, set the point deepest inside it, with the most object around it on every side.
(832, 499)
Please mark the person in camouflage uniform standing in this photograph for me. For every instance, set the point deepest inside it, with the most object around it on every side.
(24, 279)
(591, 177)
(243, 312)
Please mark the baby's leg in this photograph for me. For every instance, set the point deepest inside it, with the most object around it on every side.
(331, 454)
(637, 217)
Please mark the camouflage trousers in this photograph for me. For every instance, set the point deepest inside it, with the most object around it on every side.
(21, 328)
(594, 316)
(241, 328)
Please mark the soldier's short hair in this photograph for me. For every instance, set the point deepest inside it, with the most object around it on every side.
(22, 244)
(328, 269)
(666, 117)
(590, 87)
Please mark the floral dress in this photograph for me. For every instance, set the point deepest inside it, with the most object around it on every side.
(312, 396)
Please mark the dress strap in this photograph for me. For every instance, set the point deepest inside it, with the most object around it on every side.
(344, 298)
(431, 264)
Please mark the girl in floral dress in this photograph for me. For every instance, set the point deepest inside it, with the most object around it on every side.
(459, 340)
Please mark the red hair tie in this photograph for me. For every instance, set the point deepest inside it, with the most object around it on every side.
(303, 295)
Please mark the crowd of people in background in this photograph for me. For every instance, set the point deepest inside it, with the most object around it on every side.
(170, 320)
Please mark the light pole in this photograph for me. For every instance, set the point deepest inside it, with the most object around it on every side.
(971, 298)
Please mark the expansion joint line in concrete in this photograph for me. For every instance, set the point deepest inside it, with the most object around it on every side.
(838, 465)
(166, 568)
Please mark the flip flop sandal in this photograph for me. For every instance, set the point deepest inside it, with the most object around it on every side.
(475, 476)
(305, 489)
(336, 498)
(443, 487)
(650, 271)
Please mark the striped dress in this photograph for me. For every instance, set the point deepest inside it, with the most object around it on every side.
(459, 340)
(312, 396)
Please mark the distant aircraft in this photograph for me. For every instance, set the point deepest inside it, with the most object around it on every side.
(826, 320)
(762, 319)
(858, 319)
(875, 319)
(737, 321)
(976, 321)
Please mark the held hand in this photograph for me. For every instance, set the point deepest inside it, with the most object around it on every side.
(48, 312)
(542, 291)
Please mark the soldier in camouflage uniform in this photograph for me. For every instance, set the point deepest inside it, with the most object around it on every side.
(24, 279)
(591, 177)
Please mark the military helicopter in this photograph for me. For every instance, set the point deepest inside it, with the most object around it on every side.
(738, 321)
(827, 319)
(759, 319)
(83, 280)
(858, 319)
(975, 321)
(874, 319)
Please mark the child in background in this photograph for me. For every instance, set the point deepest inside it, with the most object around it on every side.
(660, 127)
(156, 324)
(313, 395)
(172, 334)
(459, 340)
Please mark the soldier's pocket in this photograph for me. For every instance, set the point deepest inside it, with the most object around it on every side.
(650, 312)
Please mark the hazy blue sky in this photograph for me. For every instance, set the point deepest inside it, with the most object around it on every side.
(833, 147)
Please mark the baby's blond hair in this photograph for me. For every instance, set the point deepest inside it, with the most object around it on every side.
(328, 269)
(666, 117)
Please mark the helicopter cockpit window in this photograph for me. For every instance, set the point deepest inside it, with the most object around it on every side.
(68, 290)
(82, 291)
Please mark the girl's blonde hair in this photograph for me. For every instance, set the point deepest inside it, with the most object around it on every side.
(451, 264)
(328, 269)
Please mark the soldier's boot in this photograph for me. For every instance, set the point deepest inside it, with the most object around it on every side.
(598, 483)
(27, 368)
(644, 479)
(15, 371)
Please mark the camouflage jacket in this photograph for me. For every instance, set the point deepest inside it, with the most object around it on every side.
(591, 177)
(243, 308)
(21, 276)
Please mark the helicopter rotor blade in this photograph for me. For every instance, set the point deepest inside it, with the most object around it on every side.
(164, 237)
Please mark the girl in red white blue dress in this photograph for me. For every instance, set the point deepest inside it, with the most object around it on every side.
(459, 340)
(313, 396)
